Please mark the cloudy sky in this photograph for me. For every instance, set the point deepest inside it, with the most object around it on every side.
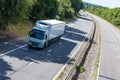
(106, 3)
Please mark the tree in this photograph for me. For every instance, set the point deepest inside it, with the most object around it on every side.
(47, 9)
(111, 15)
(65, 9)
(77, 5)
(14, 11)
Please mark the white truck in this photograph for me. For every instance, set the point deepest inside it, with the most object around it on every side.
(45, 32)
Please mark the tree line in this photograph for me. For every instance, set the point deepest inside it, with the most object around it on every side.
(112, 15)
(16, 11)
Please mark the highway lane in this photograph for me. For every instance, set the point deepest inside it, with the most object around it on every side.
(33, 64)
(110, 52)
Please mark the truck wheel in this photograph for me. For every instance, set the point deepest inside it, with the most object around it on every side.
(49, 43)
(45, 45)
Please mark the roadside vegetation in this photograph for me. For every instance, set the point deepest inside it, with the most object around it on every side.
(81, 69)
(111, 15)
(18, 16)
(97, 62)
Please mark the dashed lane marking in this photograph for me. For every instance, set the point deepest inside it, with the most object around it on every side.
(49, 50)
(12, 50)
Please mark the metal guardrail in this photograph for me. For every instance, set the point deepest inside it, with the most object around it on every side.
(83, 51)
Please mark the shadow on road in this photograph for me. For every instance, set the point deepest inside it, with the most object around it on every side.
(105, 77)
(57, 53)
(12, 44)
(84, 18)
(4, 68)
(74, 34)
(37, 55)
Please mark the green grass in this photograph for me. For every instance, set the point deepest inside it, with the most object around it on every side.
(118, 27)
(98, 58)
(80, 68)
(20, 29)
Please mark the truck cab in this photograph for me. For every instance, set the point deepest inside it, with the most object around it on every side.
(38, 35)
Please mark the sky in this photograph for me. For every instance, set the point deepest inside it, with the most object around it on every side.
(105, 3)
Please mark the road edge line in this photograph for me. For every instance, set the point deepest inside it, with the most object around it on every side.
(72, 55)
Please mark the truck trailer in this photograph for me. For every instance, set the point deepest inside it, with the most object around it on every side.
(45, 33)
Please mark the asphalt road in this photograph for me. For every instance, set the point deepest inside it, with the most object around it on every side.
(110, 52)
(18, 62)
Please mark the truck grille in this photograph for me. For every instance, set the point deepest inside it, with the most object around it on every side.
(34, 43)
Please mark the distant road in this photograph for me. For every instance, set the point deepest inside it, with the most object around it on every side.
(19, 62)
(110, 52)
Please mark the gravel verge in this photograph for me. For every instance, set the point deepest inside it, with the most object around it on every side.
(90, 61)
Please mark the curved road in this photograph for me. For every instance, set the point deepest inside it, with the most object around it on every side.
(110, 52)
(19, 62)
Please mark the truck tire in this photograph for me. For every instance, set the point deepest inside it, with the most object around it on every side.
(45, 45)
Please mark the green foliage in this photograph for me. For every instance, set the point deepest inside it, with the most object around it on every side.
(64, 9)
(16, 11)
(80, 68)
(77, 5)
(111, 15)
(43, 9)
(48, 9)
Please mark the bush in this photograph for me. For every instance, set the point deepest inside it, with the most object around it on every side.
(80, 68)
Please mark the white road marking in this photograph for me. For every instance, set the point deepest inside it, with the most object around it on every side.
(70, 40)
(49, 50)
(98, 71)
(60, 43)
(33, 60)
(12, 50)
(30, 63)
(70, 56)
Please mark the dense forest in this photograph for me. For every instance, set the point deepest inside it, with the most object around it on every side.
(17, 11)
(112, 15)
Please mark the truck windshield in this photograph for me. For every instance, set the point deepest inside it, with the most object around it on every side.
(38, 34)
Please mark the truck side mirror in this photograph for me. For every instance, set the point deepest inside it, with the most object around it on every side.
(29, 32)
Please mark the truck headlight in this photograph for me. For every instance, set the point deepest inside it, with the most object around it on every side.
(39, 46)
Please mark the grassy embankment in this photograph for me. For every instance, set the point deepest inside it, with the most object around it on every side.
(97, 58)
(20, 29)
